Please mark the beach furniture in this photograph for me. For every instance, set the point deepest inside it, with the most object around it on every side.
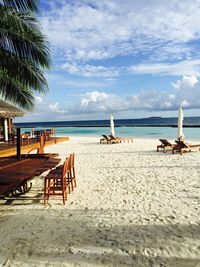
(120, 139)
(165, 145)
(71, 178)
(57, 182)
(106, 140)
(39, 153)
(182, 147)
(115, 139)
(72, 174)
(15, 174)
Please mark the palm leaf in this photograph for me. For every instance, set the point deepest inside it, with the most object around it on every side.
(24, 71)
(13, 91)
(17, 36)
(24, 53)
(21, 5)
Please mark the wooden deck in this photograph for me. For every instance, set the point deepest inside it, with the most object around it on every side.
(9, 149)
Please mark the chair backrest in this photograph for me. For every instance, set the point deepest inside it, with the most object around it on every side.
(112, 137)
(31, 150)
(105, 136)
(66, 167)
(72, 156)
(165, 142)
(181, 144)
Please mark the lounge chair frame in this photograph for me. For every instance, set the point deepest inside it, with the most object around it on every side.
(182, 147)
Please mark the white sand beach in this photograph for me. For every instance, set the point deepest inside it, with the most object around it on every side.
(132, 207)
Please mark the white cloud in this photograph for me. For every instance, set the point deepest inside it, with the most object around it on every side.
(90, 71)
(145, 100)
(38, 99)
(45, 110)
(90, 29)
(185, 104)
(186, 82)
(186, 94)
(98, 102)
(78, 82)
(186, 67)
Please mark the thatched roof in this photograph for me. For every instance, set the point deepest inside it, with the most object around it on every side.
(9, 111)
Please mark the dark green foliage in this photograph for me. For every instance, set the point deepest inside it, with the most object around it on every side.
(24, 53)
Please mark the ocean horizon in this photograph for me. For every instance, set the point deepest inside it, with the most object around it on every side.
(151, 121)
(153, 127)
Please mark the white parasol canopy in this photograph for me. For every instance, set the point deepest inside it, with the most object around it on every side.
(112, 126)
(180, 135)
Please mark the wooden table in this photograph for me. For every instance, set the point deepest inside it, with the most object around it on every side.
(15, 174)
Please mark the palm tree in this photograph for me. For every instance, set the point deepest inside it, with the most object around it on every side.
(24, 53)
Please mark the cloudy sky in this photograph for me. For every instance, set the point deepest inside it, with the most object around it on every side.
(131, 58)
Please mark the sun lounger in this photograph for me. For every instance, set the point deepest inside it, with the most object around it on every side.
(182, 147)
(107, 140)
(120, 139)
(165, 145)
(104, 140)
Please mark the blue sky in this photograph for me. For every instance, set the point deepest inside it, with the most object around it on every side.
(130, 58)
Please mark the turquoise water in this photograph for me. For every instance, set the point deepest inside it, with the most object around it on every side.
(147, 132)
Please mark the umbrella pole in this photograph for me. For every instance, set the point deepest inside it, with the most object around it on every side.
(19, 143)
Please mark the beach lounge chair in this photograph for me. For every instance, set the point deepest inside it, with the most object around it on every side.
(106, 140)
(165, 145)
(181, 147)
(115, 139)
(120, 139)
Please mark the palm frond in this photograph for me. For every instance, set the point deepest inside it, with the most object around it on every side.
(24, 71)
(28, 42)
(21, 5)
(11, 90)
(24, 53)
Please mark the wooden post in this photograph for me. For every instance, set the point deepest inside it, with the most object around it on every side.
(19, 143)
(41, 149)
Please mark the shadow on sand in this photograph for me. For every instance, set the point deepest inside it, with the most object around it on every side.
(64, 237)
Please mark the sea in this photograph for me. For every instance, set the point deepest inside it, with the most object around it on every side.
(152, 127)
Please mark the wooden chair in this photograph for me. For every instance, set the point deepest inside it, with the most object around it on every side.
(72, 176)
(165, 144)
(56, 182)
(182, 147)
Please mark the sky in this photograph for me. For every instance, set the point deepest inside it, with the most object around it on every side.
(131, 58)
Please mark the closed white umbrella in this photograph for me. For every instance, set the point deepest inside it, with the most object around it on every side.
(180, 135)
(112, 126)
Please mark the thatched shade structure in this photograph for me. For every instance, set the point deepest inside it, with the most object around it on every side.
(7, 112)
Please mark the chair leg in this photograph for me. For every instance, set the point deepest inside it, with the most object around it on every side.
(64, 192)
(71, 179)
(45, 185)
(74, 176)
(63, 198)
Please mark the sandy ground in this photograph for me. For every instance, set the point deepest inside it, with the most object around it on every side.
(132, 207)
